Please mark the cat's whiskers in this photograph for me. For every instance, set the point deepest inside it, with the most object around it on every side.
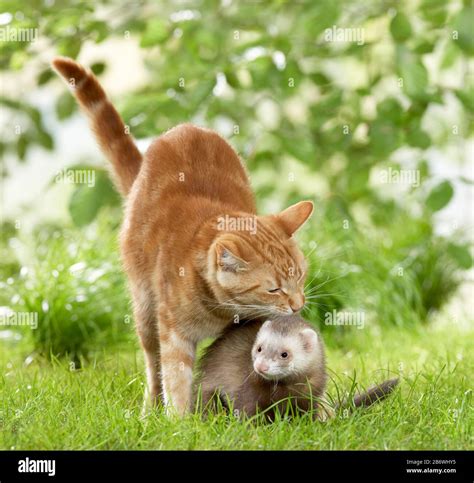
(323, 294)
(319, 304)
(316, 275)
(216, 303)
(311, 251)
(313, 290)
(257, 310)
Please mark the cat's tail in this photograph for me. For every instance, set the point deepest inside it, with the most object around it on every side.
(109, 129)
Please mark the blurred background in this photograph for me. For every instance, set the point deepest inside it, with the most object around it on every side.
(363, 106)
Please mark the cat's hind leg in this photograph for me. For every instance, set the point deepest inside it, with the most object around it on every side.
(147, 328)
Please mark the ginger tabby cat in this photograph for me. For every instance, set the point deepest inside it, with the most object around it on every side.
(196, 255)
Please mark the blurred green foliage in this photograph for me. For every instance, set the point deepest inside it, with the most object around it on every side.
(276, 52)
(241, 43)
(73, 282)
(311, 117)
(396, 276)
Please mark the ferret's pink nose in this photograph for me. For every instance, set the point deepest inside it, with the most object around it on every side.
(261, 367)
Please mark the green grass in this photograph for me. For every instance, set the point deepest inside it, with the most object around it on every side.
(47, 405)
(49, 401)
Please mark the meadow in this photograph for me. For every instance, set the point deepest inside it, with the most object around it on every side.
(77, 380)
(53, 406)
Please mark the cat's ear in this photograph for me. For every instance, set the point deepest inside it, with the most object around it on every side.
(310, 339)
(295, 216)
(227, 260)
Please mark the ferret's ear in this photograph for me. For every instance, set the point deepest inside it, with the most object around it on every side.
(266, 324)
(227, 260)
(310, 339)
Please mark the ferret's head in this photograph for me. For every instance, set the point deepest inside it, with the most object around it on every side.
(280, 354)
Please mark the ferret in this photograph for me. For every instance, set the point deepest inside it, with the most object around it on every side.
(272, 366)
(264, 366)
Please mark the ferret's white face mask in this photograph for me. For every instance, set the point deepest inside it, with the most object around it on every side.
(277, 357)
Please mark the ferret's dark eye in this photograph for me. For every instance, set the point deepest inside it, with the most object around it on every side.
(284, 355)
(259, 349)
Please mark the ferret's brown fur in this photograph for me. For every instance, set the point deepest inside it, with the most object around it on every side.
(227, 373)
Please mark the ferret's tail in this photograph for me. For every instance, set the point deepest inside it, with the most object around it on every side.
(371, 396)
(110, 131)
(375, 393)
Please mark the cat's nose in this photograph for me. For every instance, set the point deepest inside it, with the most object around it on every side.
(297, 305)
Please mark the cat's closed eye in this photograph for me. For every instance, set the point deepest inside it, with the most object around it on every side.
(274, 290)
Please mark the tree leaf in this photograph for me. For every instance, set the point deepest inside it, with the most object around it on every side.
(418, 138)
(434, 11)
(391, 109)
(385, 137)
(414, 76)
(461, 255)
(65, 105)
(156, 32)
(83, 205)
(440, 196)
(465, 180)
(467, 98)
(463, 25)
(450, 54)
(98, 67)
(21, 147)
(45, 76)
(86, 201)
(400, 27)
(301, 149)
(45, 139)
(69, 47)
